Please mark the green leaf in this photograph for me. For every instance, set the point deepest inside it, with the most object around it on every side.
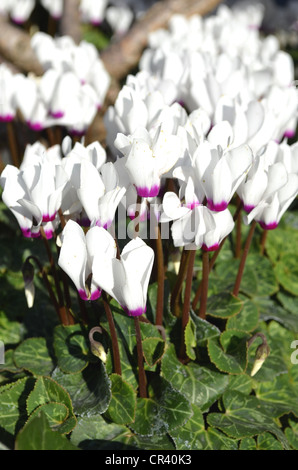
(229, 352)
(224, 305)
(153, 349)
(241, 383)
(281, 242)
(46, 390)
(279, 395)
(71, 348)
(13, 413)
(270, 310)
(248, 443)
(203, 330)
(38, 435)
(9, 365)
(94, 433)
(201, 386)
(123, 402)
(89, 390)
(268, 442)
(190, 339)
(286, 271)
(247, 319)
(192, 436)
(10, 331)
(292, 434)
(56, 413)
(165, 411)
(244, 417)
(33, 355)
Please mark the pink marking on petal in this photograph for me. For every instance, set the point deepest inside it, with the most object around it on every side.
(217, 207)
(57, 114)
(77, 133)
(137, 312)
(148, 192)
(192, 205)
(35, 126)
(83, 294)
(49, 233)
(248, 207)
(95, 294)
(36, 235)
(7, 118)
(48, 217)
(26, 232)
(210, 248)
(290, 133)
(270, 226)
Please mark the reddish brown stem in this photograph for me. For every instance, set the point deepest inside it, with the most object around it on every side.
(142, 375)
(186, 304)
(113, 332)
(243, 258)
(205, 282)
(160, 279)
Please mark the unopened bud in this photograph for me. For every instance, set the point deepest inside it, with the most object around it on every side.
(262, 352)
(97, 348)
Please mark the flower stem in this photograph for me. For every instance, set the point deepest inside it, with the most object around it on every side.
(47, 284)
(205, 281)
(65, 315)
(214, 258)
(115, 345)
(12, 143)
(243, 258)
(142, 375)
(238, 232)
(263, 241)
(137, 214)
(160, 278)
(179, 282)
(187, 296)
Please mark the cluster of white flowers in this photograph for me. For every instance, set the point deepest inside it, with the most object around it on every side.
(206, 119)
(118, 13)
(69, 93)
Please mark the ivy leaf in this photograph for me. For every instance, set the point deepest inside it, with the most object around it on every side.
(33, 355)
(247, 319)
(46, 390)
(13, 413)
(89, 390)
(244, 417)
(204, 330)
(224, 305)
(291, 433)
(229, 352)
(200, 385)
(286, 271)
(71, 348)
(94, 433)
(190, 339)
(153, 349)
(38, 435)
(165, 411)
(122, 406)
